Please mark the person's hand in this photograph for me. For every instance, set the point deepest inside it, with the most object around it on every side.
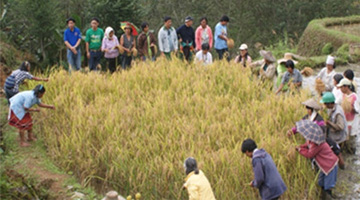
(88, 55)
(106, 50)
(297, 148)
(73, 49)
(46, 79)
(251, 184)
(162, 54)
(290, 133)
(36, 110)
(52, 107)
(152, 44)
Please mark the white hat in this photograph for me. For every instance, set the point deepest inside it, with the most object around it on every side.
(243, 47)
(343, 82)
(330, 60)
(112, 195)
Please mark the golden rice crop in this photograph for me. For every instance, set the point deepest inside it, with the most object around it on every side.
(132, 130)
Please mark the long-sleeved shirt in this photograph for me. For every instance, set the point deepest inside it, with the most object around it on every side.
(325, 158)
(186, 34)
(198, 187)
(266, 70)
(327, 78)
(267, 178)
(337, 125)
(167, 39)
(144, 40)
(110, 45)
(203, 36)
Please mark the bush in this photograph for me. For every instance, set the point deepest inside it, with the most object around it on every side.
(318, 33)
(327, 49)
(132, 130)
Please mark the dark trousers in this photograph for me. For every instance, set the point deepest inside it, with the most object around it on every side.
(186, 51)
(9, 93)
(126, 61)
(111, 64)
(221, 53)
(94, 60)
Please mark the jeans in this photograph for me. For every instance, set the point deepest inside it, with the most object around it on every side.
(94, 60)
(111, 64)
(329, 181)
(221, 53)
(126, 61)
(74, 60)
(9, 93)
(143, 58)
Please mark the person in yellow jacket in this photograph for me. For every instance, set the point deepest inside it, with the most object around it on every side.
(196, 183)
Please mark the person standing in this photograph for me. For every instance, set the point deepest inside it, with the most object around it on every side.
(221, 37)
(196, 183)
(72, 40)
(351, 109)
(17, 77)
(19, 112)
(203, 34)
(146, 43)
(327, 74)
(204, 56)
(94, 37)
(127, 41)
(266, 176)
(187, 37)
(167, 38)
(110, 45)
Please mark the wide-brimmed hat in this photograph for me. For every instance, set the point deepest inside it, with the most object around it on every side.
(287, 56)
(312, 104)
(243, 47)
(112, 195)
(344, 81)
(267, 55)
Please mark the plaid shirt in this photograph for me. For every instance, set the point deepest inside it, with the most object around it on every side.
(16, 78)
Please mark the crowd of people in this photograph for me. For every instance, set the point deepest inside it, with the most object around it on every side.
(325, 139)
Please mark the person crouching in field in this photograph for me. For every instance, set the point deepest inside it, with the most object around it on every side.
(267, 178)
(19, 112)
(204, 56)
(17, 77)
(196, 183)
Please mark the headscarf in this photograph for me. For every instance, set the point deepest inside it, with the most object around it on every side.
(108, 31)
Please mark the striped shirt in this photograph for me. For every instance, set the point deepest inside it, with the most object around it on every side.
(16, 78)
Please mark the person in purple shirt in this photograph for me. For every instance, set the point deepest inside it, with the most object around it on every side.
(267, 178)
(72, 39)
(110, 45)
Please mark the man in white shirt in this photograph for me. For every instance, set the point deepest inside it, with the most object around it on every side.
(204, 56)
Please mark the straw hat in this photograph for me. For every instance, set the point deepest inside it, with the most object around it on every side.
(307, 71)
(287, 56)
(312, 104)
(230, 43)
(243, 47)
(267, 55)
(112, 195)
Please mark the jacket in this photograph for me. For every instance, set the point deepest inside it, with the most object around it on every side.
(325, 158)
(199, 39)
(143, 44)
(164, 37)
(267, 178)
(198, 187)
(269, 72)
(337, 125)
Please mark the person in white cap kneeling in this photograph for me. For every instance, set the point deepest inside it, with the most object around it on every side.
(243, 58)
(327, 73)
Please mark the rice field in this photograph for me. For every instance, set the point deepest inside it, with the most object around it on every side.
(132, 130)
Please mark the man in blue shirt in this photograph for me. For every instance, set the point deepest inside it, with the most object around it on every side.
(72, 39)
(221, 38)
(187, 37)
